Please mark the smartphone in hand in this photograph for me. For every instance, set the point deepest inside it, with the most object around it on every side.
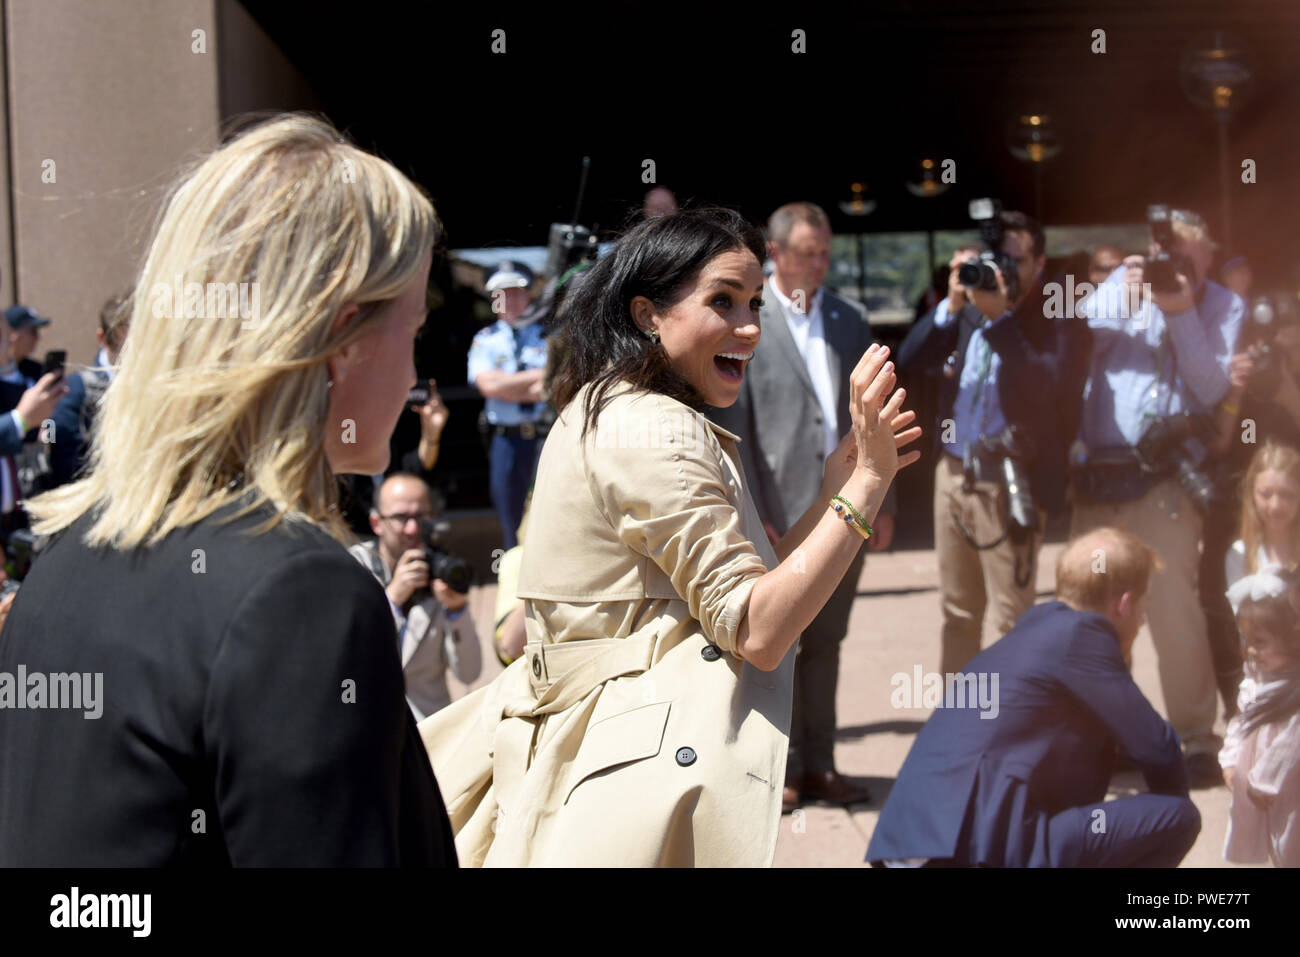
(55, 360)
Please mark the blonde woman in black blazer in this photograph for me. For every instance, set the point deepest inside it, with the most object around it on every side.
(240, 696)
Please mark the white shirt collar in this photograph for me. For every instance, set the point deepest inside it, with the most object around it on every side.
(787, 304)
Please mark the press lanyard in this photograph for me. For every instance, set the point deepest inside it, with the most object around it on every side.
(1164, 359)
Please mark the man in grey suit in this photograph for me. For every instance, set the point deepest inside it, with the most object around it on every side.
(792, 411)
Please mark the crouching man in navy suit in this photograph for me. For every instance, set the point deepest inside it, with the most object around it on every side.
(1024, 784)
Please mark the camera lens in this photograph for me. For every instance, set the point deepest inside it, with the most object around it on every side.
(970, 274)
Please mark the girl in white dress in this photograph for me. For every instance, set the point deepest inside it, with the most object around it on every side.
(1261, 750)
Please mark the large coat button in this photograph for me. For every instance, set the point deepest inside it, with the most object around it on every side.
(710, 652)
(537, 666)
(685, 757)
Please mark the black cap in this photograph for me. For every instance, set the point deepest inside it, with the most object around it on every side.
(20, 317)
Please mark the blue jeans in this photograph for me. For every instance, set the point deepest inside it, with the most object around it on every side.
(512, 460)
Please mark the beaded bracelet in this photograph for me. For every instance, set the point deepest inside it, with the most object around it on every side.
(851, 517)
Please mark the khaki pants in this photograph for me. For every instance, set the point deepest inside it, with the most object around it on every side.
(1165, 520)
(970, 580)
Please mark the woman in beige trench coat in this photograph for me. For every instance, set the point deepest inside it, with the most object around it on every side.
(646, 722)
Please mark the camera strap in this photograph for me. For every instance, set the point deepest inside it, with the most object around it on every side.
(1024, 569)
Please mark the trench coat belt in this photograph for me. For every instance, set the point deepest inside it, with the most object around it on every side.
(561, 675)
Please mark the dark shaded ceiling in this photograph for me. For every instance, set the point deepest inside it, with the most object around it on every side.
(730, 115)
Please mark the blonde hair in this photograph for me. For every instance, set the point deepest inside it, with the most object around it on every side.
(1278, 458)
(206, 408)
(1098, 567)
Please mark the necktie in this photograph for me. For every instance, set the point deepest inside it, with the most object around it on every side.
(525, 408)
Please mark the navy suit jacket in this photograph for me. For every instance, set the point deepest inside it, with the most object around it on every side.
(981, 791)
(11, 440)
(69, 449)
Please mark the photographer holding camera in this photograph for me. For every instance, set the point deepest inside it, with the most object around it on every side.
(1158, 372)
(1002, 461)
(434, 628)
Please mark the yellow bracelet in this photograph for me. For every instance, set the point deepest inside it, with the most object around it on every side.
(851, 518)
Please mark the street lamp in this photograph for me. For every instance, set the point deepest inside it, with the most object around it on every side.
(928, 184)
(1031, 137)
(1216, 72)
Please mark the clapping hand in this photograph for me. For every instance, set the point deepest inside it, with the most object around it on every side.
(874, 442)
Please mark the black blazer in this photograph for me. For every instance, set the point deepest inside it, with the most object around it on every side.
(1044, 366)
(253, 710)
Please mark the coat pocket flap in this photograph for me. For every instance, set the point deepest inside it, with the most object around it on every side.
(619, 739)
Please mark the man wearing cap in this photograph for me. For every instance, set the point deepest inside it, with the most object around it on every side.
(507, 361)
(24, 328)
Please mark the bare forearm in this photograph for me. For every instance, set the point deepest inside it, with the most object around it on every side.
(428, 453)
(818, 551)
(510, 386)
(1227, 419)
(801, 529)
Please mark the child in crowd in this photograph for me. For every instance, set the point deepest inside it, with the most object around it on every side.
(1270, 514)
(1261, 751)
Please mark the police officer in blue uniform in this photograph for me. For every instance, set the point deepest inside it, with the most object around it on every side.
(507, 361)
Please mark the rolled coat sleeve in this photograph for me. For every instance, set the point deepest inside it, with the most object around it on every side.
(670, 505)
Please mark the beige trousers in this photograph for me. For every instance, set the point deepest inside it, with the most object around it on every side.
(1165, 520)
(970, 580)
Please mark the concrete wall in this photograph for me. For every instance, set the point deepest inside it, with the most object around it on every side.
(254, 76)
(105, 100)
(118, 95)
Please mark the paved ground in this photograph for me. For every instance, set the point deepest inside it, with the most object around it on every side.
(894, 628)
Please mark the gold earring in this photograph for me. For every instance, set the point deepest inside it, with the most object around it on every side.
(652, 335)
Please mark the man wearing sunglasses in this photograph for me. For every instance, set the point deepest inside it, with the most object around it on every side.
(434, 628)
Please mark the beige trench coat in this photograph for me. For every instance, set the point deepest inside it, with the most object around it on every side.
(628, 733)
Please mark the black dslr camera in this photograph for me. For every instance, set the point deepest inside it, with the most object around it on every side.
(980, 273)
(1012, 451)
(1269, 314)
(1162, 267)
(456, 572)
(1163, 442)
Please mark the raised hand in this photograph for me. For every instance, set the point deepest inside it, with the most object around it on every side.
(879, 425)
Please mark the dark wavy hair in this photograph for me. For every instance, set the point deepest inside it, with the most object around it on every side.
(1279, 616)
(596, 339)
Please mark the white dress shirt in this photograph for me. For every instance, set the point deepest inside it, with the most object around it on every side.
(808, 332)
